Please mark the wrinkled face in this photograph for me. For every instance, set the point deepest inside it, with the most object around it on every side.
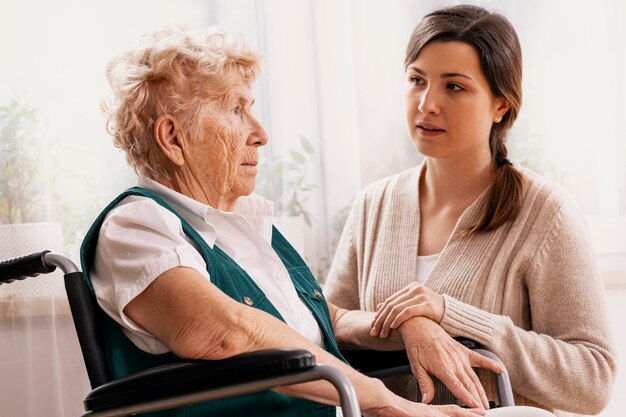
(225, 160)
(449, 106)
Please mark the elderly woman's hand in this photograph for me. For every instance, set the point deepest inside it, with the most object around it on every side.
(399, 407)
(414, 300)
(432, 351)
(384, 403)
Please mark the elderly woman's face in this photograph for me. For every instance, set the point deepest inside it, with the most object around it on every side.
(225, 160)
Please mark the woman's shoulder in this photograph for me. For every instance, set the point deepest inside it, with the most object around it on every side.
(393, 186)
(136, 203)
(140, 212)
(545, 198)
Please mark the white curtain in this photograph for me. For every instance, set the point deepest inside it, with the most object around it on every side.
(329, 97)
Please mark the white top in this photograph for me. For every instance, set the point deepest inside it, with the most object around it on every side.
(139, 240)
(425, 264)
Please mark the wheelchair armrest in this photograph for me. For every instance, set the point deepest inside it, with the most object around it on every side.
(378, 364)
(190, 376)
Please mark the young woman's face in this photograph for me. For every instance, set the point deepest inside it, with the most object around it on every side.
(448, 103)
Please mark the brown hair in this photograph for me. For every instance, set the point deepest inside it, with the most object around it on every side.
(500, 54)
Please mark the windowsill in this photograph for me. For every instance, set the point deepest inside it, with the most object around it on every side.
(607, 233)
(31, 307)
(609, 242)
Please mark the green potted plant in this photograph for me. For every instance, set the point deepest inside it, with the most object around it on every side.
(283, 181)
(19, 193)
(22, 186)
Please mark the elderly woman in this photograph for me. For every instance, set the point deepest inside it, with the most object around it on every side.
(188, 263)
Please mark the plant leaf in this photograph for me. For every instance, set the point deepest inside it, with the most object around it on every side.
(306, 145)
(297, 156)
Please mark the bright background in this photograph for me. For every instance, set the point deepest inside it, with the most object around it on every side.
(329, 97)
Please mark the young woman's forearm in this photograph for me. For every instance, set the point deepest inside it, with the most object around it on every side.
(352, 329)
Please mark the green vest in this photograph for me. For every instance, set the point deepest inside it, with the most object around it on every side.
(124, 357)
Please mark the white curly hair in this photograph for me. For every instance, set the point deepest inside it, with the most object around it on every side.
(172, 71)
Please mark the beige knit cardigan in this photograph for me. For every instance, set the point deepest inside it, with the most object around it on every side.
(529, 291)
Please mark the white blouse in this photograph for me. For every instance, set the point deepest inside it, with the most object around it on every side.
(139, 240)
(425, 264)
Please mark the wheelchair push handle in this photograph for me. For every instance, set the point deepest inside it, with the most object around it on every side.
(32, 265)
(24, 266)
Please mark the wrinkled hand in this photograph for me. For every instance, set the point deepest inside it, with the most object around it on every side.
(423, 410)
(399, 407)
(414, 300)
(432, 351)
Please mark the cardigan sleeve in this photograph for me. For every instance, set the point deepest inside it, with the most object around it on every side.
(341, 287)
(565, 361)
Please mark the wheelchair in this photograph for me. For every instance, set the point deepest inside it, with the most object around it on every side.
(193, 381)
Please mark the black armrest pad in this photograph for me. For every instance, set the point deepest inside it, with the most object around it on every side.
(468, 343)
(366, 361)
(190, 376)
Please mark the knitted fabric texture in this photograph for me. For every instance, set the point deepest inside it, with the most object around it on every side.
(529, 291)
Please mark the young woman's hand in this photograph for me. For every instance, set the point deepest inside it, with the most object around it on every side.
(412, 301)
(432, 351)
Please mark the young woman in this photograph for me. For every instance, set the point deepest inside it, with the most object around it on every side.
(489, 250)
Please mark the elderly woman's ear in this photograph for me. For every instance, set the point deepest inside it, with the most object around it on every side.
(168, 137)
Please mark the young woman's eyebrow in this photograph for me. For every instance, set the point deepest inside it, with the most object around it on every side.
(455, 74)
(444, 75)
(419, 71)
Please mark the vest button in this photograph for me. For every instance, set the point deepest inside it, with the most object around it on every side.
(317, 294)
(248, 300)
